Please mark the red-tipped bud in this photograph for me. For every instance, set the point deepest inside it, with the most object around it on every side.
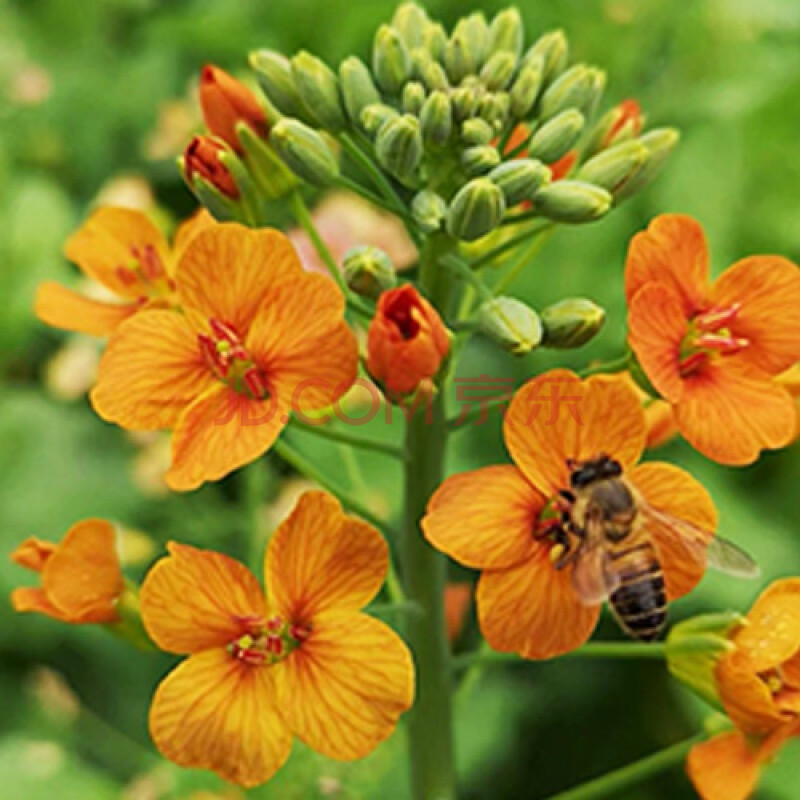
(226, 102)
(201, 158)
(628, 118)
(406, 341)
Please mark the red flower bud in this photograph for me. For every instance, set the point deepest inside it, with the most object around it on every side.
(406, 340)
(629, 115)
(561, 168)
(225, 102)
(201, 158)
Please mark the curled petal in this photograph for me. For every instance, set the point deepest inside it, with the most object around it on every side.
(150, 371)
(731, 413)
(485, 518)
(672, 251)
(215, 713)
(194, 599)
(724, 768)
(33, 599)
(346, 685)
(768, 289)
(556, 417)
(319, 560)
(63, 308)
(672, 491)
(33, 553)
(532, 609)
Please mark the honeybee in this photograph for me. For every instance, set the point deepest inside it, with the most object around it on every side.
(606, 534)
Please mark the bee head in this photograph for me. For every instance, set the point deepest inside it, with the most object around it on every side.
(584, 473)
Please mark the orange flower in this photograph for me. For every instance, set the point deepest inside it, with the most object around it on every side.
(302, 660)
(81, 577)
(712, 349)
(226, 102)
(491, 518)
(127, 255)
(628, 118)
(201, 157)
(406, 340)
(759, 686)
(258, 336)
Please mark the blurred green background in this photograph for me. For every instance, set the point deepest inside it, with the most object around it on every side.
(101, 90)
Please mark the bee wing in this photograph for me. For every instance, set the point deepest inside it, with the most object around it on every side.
(702, 546)
(592, 577)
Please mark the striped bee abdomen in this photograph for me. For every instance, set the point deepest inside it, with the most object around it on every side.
(640, 603)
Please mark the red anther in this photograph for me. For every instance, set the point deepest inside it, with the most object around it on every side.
(298, 633)
(716, 318)
(215, 362)
(692, 363)
(250, 655)
(725, 345)
(224, 332)
(126, 276)
(274, 646)
(256, 385)
(274, 624)
(150, 263)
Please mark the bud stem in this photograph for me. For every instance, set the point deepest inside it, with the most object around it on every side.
(524, 258)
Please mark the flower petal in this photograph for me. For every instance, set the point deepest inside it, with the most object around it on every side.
(768, 287)
(33, 553)
(150, 371)
(747, 699)
(556, 417)
(63, 308)
(724, 768)
(186, 231)
(672, 491)
(34, 599)
(82, 578)
(672, 251)
(772, 635)
(107, 242)
(195, 599)
(215, 713)
(484, 518)
(730, 413)
(220, 432)
(532, 609)
(346, 685)
(227, 271)
(656, 327)
(319, 559)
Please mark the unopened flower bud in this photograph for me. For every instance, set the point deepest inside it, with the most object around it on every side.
(557, 136)
(572, 90)
(520, 179)
(507, 33)
(435, 41)
(572, 201)
(305, 152)
(358, 88)
(525, 90)
(660, 143)
(591, 103)
(621, 123)
(464, 101)
(429, 210)
(398, 146)
(477, 209)
(226, 102)
(480, 159)
(274, 73)
(476, 131)
(495, 108)
(391, 62)
(411, 22)
(318, 88)
(510, 323)
(551, 53)
(694, 648)
(368, 271)
(464, 51)
(436, 119)
(498, 71)
(434, 76)
(571, 323)
(266, 170)
(413, 97)
(374, 115)
(202, 157)
(612, 169)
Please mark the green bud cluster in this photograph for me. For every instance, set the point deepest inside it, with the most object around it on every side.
(442, 115)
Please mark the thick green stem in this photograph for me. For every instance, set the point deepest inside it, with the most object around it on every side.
(430, 722)
(613, 783)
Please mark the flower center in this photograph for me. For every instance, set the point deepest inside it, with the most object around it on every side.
(267, 642)
(228, 358)
(147, 270)
(709, 338)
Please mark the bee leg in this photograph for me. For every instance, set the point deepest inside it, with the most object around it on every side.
(567, 495)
